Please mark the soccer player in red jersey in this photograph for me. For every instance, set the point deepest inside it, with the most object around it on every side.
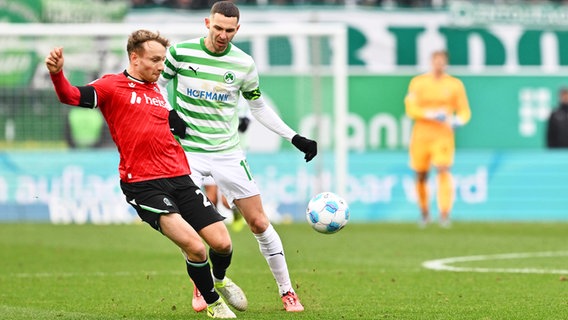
(154, 172)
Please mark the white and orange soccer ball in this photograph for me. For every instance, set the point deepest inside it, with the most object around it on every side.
(327, 212)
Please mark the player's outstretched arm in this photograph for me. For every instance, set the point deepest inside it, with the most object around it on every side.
(265, 115)
(68, 94)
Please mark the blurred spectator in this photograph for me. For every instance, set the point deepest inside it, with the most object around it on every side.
(85, 128)
(414, 3)
(370, 3)
(557, 131)
(206, 4)
(187, 4)
(141, 3)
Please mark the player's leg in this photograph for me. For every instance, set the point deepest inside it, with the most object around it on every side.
(422, 196)
(238, 220)
(199, 212)
(271, 248)
(211, 191)
(203, 216)
(420, 162)
(443, 159)
(200, 176)
(236, 183)
(198, 302)
(155, 203)
(221, 253)
(445, 195)
(180, 232)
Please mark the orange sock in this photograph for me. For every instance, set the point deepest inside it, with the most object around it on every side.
(445, 194)
(422, 197)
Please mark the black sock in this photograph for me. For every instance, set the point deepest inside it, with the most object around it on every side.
(220, 262)
(200, 273)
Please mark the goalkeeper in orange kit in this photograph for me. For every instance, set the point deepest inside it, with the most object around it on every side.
(437, 102)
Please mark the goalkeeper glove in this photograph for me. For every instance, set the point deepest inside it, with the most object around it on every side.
(177, 125)
(307, 146)
(456, 122)
(243, 124)
(438, 115)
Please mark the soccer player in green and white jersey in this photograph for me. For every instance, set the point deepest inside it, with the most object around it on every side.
(208, 75)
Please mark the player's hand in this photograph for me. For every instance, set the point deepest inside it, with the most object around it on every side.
(177, 125)
(54, 60)
(438, 115)
(307, 146)
(243, 124)
(456, 122)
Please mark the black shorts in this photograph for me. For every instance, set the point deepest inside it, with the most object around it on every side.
(153, 198)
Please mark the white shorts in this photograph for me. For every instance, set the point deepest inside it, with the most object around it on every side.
(230, 171)
(208, 181)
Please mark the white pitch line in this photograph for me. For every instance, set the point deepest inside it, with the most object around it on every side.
(443, 264)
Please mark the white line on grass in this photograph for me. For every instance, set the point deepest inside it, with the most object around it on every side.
(443, 264)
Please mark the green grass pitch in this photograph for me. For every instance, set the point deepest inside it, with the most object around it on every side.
(366, 271)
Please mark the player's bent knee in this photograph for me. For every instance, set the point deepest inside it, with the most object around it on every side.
(258, 225)
(223, 246)
(195, 253)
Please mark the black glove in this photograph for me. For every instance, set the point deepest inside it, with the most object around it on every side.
(307, 146)
(243, 124)
(177, 125)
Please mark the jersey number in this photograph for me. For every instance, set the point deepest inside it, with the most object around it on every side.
(245, 166)
(206, 202)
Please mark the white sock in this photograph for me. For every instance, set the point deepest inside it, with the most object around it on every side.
(273, 251)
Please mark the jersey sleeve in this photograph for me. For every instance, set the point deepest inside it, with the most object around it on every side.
(104, 88)
(169, 72)
(170, 68)
(250, 87)
(463, 111)
(411, 100)
(268, 118)
(84, 96)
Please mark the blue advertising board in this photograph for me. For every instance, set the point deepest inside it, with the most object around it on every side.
(82, 186)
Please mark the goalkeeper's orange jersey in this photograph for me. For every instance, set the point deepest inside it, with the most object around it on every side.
(428, 96)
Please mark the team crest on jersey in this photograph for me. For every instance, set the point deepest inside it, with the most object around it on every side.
(229, 77)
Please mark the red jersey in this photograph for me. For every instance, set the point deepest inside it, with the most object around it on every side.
(138, 121)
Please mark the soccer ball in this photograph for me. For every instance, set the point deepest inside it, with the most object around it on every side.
(327, 213)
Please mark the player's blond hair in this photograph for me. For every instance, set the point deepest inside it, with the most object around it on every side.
(137, 39)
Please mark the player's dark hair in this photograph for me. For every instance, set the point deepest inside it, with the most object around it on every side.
(137, 39)
(226, 8)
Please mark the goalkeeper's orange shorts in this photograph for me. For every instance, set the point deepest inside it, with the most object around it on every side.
(436, 151)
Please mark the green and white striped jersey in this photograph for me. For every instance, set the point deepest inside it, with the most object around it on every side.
(206, 89)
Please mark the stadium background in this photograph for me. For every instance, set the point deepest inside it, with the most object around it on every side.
(511, 57)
